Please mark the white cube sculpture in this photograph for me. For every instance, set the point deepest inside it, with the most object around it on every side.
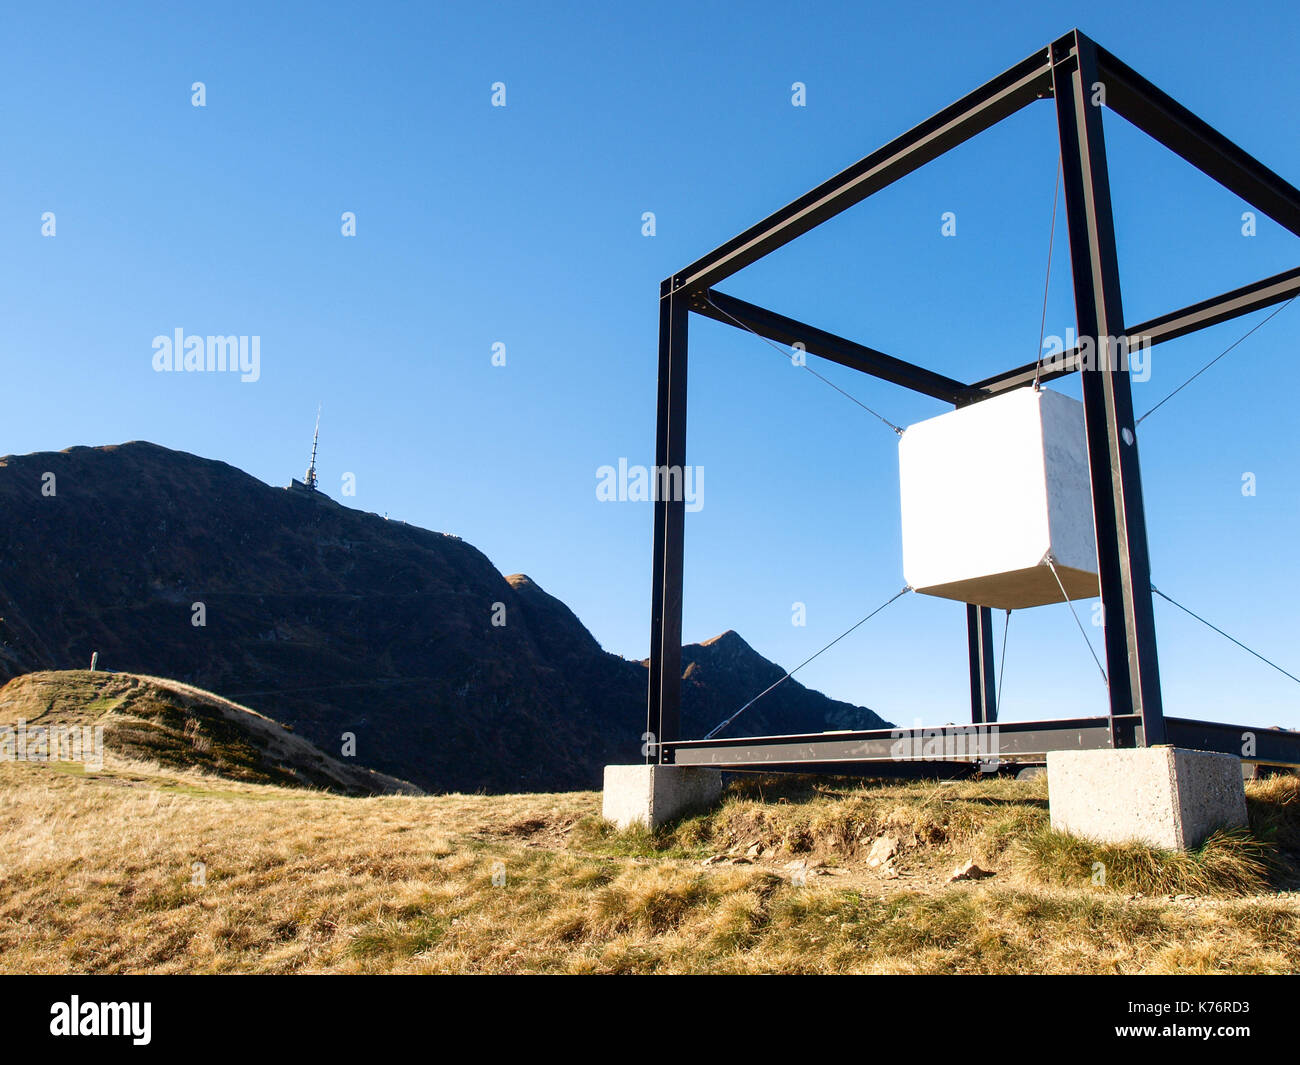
(991, 490)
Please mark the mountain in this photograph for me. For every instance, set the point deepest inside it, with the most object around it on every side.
(149, 719)
(721, 675)
(348, 627)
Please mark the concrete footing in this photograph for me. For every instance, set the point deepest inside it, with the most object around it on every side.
(653, 795)
(1167, 797)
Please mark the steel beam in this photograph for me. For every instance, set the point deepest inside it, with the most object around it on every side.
(1004, 95)
(1132, 666)
(1171, 326)
(782, 330)
(893, 752)
(983, 682)
(1274, 746)
(1060, 365)
(1169, 122)
(1253, 297)
(663, 712)
(870, 770)
(1023, 740)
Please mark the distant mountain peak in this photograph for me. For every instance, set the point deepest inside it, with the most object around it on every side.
(729, 640)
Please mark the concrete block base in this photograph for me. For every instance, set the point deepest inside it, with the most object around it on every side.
(1167, 797)
(653, 795)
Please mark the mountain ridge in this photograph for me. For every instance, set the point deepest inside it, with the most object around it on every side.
(338, 621)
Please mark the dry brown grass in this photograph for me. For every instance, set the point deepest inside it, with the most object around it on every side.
(181, 726)
(96, 876)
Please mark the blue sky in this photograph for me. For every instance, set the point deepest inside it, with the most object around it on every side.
(522, 225)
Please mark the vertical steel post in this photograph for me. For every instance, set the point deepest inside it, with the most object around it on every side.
(983, 683)
(663, 709)
(1131, 662)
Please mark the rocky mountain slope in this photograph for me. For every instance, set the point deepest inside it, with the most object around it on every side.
(336, 622)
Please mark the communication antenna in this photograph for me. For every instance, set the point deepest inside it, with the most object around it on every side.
(309, 479)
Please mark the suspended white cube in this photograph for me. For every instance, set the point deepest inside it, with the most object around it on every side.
(989, 492)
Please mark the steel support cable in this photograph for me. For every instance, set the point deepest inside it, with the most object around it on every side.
(1051, 562)
(718, 728)
(1198, 617)
(1216, 358)
(1047, 281)
(1002, 660)
(785, 354)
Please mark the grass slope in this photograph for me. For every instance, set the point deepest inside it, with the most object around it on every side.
(99, 874)
(176, 726)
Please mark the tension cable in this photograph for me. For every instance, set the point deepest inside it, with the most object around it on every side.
(1213, 361)
(1002, 660)
(786, 355)
(1075, 614)
(1198, 617)
(718, 728)
(1047, 281)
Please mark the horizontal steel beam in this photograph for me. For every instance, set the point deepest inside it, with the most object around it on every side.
(1169, 122)
(943, 743)
(887, 751)
(1275, 746)
(972, 114)
(782, 330)
(1171, 326)
(874, 770)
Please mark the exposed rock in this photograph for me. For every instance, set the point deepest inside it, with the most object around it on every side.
(882, 851)
(969, 871)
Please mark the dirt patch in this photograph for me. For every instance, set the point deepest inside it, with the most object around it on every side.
(548, 831)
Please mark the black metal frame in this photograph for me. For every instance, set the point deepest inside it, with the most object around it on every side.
(1072, 71)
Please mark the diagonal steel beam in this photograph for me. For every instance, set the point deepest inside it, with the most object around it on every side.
(1058, 366)
(1006, 94)
(1234, 304)
(1171, 326)
(782, 330)
(1156, 113)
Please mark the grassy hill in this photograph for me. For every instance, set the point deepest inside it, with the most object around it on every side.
(177, 726)
(139, 868)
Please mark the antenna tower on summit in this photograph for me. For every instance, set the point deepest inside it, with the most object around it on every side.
(309, 479)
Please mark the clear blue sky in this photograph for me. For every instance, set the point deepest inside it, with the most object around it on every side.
(522, 225)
